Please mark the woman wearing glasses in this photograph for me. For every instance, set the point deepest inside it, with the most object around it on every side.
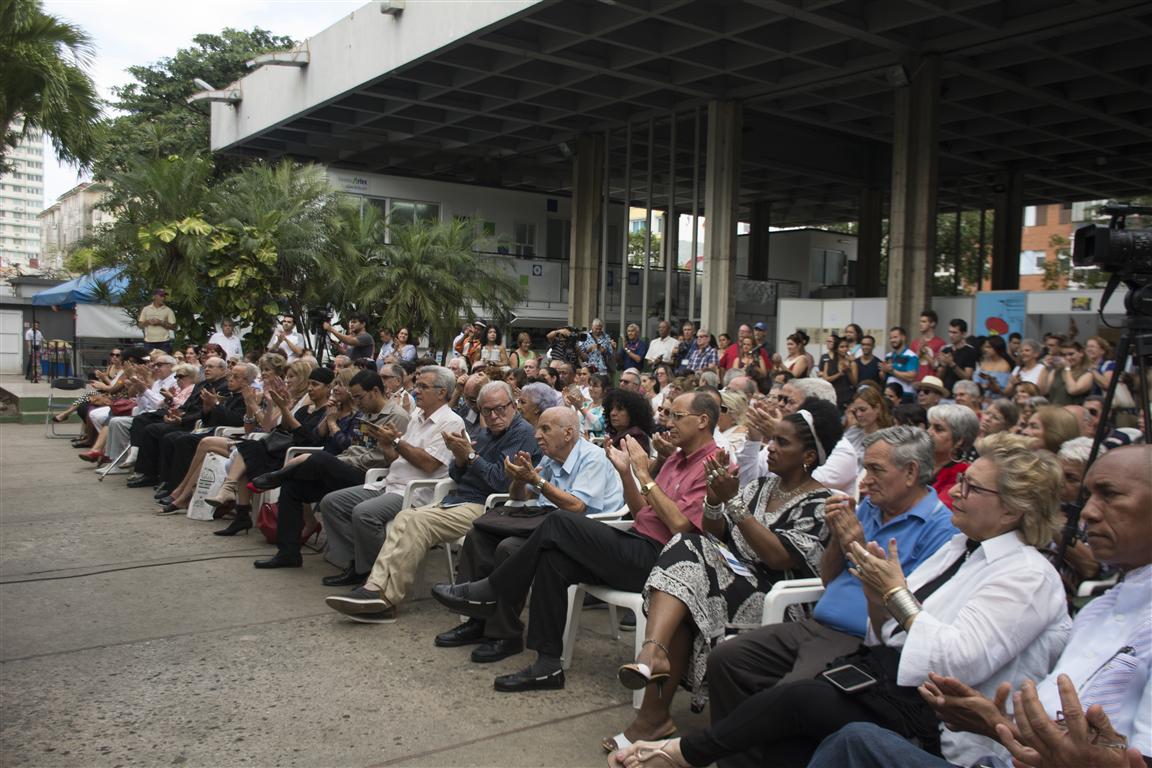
(705, 583)
(986, 608)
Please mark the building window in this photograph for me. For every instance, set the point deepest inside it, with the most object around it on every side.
(1041, 215)
(559, 239)
(411, 211)
(1032, 262)
(1066, 213)
(1030, 216)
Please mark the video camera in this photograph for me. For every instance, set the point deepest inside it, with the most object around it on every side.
(580, 334)
(1113, 247)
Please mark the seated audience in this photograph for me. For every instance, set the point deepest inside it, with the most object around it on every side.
(629, 415)
(952, 429)
(1050, 427)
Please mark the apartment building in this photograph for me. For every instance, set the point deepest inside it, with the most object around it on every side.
(21, 198)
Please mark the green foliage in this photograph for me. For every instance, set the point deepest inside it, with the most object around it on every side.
(944, 283)
(44, 81)
(636, 250)
(157, 121)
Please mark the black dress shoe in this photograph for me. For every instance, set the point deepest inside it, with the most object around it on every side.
(162, 492)
(528, 680)
(280, 561)
(468, 633)
(349, 578)
(270, 480)
(497, 649)
(142, 482)
(456, 598)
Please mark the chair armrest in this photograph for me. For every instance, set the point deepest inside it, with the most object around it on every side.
(375, 475)
(442, 489)
(416, 485)
(786, 593)
(298, 450)
(494, 500)
(617, 515)
(1088, 588)
(620, 525)
(229, 432)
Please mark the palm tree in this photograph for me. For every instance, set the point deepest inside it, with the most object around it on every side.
(430, 274)
(44, 84)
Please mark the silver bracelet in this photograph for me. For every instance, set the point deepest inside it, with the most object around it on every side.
(902, 605)
(713, 512)
(738, 510)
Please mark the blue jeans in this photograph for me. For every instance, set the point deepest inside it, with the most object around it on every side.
(867, 745)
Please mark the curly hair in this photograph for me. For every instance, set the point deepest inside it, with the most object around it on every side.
(1029, 483)
(637, 406)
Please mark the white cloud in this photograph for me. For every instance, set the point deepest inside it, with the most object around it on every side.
(134, 32)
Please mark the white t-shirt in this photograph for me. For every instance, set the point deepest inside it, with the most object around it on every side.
(34, 336)
(230, 344)
(283, 348)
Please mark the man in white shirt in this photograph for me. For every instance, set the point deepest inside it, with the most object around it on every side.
(228, 340)
(662, 349)
(33, 343)
(286, 340)
(357, 518)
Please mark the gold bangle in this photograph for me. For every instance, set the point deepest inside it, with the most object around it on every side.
(889, 594)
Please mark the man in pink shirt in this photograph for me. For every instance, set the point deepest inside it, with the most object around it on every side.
(927, 345)
(570, 549)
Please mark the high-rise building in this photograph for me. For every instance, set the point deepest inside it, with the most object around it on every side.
(73, 216)
(21, 198)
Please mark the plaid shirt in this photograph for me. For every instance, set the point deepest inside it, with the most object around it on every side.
(699, 359)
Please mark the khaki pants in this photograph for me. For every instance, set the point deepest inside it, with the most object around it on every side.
(410, 534)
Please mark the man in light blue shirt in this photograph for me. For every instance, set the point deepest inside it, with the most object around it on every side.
(574, 477)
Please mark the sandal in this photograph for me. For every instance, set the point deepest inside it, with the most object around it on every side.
(637, 675)
(647, 753)
(59, 420)
(618, 742)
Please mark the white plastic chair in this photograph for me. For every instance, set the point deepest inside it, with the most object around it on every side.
(786, 593)
(1088, 588)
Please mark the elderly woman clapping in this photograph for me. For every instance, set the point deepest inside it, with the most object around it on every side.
(952, 428)
(986, 608)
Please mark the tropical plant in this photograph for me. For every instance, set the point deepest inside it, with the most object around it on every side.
(44, 85)
(429, 274)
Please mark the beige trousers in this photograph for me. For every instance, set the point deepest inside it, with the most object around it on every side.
(410, 534)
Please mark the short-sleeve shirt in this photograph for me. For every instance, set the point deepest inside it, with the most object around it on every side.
(154, 334)
(364, 346)
(682, 479)
(662, 350)
(230, 344)
(904, 361)
(919, 532)
(964, 357)
(426, 432)
(34, 337)
(701, 359)
(588, 475)
(927, 362)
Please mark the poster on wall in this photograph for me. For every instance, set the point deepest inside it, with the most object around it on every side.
(999, 313)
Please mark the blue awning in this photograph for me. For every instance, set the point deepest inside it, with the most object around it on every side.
(83, 289)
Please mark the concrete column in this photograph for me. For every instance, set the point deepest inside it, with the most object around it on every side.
(583, 269)
(669, 244)
(721, 198)
(1007, 228)
(912, 232)
(758, 240)
(868, 242)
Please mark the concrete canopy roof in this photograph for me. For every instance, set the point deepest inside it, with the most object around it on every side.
(1059, 90)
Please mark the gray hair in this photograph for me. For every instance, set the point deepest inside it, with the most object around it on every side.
(1037, 400)
(817, 388)
(960, 420)
(164, 359)
(1032, 344)
(187, 369)
(730, 374)
(909, 445)
(397, 370)
(445, 378)
(496, 386)
(1078, 449)
(542, 396)
(631, 326)
(967, 386)
(215, 362)
(251, 371)
(709, 379)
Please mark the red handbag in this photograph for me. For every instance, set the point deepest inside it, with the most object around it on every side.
(123, 406)
(266, 521)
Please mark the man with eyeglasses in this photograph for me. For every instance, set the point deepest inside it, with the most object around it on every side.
(898, 503)
(379, 420)
(479, 470)
(357, 518)
(569, 549)
(467, 405)
(574, 477)
(703, 356)
(630, 379)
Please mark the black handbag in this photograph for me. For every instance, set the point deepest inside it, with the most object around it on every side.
(512, 521)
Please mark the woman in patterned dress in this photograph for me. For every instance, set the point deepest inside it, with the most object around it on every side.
(705, 583)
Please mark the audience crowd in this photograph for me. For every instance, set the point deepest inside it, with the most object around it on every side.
(926, 484)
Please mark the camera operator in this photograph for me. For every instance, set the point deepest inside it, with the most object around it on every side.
(565, 344)
(357, 343)
(599, 349)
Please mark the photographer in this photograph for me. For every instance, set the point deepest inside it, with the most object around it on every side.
(565, 344)
(598, 349)
(357, 343)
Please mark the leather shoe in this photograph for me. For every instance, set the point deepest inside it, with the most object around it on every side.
(527, 680)
(170, 509)
(142, 482)
(270, 480)
(456, 598)
(279, 561)
(161, 492)
(468, 633)
(497, 649)
(349, 578)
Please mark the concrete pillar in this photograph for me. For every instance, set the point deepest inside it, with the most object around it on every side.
(721, 198)
(1007, 228)
(869, 239)
(669, 244)
(583, 269)
(758, 242)
(912, 228)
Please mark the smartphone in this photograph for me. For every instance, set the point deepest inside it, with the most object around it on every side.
(849, 678)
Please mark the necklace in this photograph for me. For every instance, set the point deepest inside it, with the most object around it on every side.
(786, 496)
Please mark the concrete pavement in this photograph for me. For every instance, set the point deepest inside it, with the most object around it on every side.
(128, 639)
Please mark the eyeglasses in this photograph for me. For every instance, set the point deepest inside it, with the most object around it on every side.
(492, 410)
(681, 414)
(664, 411)
(966, 487)
(113, 354)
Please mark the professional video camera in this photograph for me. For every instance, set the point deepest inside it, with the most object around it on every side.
(580, 334)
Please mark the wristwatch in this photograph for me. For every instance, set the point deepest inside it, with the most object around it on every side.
(540, 484)
(396, 442)
(646, 488)
(471, 456)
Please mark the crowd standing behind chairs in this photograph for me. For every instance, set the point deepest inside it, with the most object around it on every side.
(921, 484)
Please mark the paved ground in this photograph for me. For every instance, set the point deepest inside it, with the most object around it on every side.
(128, 639)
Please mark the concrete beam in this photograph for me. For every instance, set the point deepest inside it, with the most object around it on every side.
(721, 198)
(587, 209)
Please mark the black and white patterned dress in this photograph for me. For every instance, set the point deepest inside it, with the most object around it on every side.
(692, 569)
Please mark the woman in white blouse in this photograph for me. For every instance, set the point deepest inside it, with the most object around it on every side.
(986, 608)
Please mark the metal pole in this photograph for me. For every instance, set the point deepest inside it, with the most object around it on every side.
(670, 229)
(627, 204)
(695, 210)
(980, 256)
(648, 218)
(956, 244)
(605, 188)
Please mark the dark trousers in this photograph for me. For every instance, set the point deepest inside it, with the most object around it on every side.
(163, 346)
(176, 452)
(787, 721)
(482, 552)
(311, 480)
(752, 662)
(568, 549)
(147, 437)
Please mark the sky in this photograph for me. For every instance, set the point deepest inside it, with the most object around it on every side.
(131, 32)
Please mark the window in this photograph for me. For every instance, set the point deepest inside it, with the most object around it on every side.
(1030, 216)
(411, 211)
(1032, 262)
(1041, 215)
(1066, 213)
(524, 239)
(559, 239)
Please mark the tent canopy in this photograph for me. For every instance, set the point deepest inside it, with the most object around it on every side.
(83, 289)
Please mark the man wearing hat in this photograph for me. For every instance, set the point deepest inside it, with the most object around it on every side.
(930, 391)
(157, 321)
